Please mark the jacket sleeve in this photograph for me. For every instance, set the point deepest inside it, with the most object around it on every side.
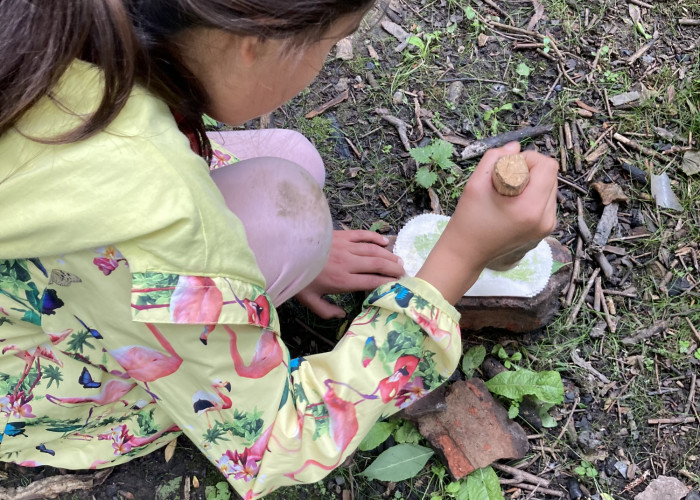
(266, 420)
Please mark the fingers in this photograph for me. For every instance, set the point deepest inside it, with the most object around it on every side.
(361, 235)
(365, 282)
(319, 306)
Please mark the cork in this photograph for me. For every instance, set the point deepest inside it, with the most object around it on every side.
(510, 175)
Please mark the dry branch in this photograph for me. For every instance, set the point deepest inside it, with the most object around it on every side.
(478, 148)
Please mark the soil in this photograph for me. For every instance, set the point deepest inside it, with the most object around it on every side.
(372, 184)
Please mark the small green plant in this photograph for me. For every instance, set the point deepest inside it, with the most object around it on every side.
(219, 492)
(683, 346)
(586, 469)
(490, 115)
(433, 158)
(386, 149)
(509, 361)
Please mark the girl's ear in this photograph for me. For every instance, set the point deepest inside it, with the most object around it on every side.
(250, 49)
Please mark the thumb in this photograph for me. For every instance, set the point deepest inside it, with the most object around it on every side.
(319, 306)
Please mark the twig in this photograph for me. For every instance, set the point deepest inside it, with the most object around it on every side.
(333, 102)
(585, 233)
(400, 125)
(579, 361)
(691, 394)
(562, 150)
(583, 296)
(417, 109)
(572, 185)
(574, 274)
(689, 22)
(470, 79)
(690, 324)
(533, 488)
(641, 4)
(639, 53)
(521, 475)
(499, 10)
(612, 324)
(677, 420)
(478, 148)
(568, 421)
(654, 329)
(576, 144)
(635, 145)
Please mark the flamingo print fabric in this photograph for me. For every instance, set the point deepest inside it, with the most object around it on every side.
(144, 316)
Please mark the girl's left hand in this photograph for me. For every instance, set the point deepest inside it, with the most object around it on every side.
(357, 261)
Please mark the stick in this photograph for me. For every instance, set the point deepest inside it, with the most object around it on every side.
(612, 325)
(635, 145)
(641, 4)
(677, 420)
(579, 361)
(582, 298)
(478, 148)
(689, 22)
(577, 148)
(577, 266)
(521, 475)
(691, 395)
(695, 332)
(562, 150)
(400, 125)
(654, 329)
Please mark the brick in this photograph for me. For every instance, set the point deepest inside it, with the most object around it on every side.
(518, 314)
(473, 430)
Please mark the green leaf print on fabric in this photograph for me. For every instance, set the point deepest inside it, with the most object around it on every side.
(52, 374)
(248, 426)
(16, 284)
(154, 288)
(79, 340)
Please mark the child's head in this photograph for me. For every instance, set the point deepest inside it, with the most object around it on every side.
(197, 55)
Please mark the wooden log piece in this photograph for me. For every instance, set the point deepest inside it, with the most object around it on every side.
(511, 175)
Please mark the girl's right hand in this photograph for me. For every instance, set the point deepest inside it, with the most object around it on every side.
(487, 225)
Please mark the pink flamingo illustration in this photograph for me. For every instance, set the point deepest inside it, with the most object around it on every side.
(34, 353)
(112, 392)
(342, 422)
(430, 324)
(57, 338)
(145, 364)
(196, 299)
(268, 355)
(203, 402)
(143, 441)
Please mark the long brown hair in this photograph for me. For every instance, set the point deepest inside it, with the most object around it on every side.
(133, 41)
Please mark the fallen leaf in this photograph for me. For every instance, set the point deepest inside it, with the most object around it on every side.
(691, 162)
(539, 12)
(610, 193)
(343, 49)
(635, 13)
(482, 39)
(372, 52)
(195, 482)
(170, 450)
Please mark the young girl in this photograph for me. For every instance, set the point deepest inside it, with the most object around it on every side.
(138, 290)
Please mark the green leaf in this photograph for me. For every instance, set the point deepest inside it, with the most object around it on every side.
(407, 433)
(523, 70)
(422, 155)
(377, 435)
(469, 13)
(442, 154)
(546, 386)
(506, 107)
(398, 463)
(425, 178)
(558, 265)
(482, 484)
(416, 42)
(513, 410)
(473, 359)
(697, 354)
(547, 421)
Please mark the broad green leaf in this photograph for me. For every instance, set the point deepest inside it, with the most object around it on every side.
(407, 433)
(416, 42)
(506, 107)
(422, 155)
(473, 359)
(523, 70)
(547, 421)
(546, 386)
(425, 178)
(377, 435)
(469, 13)
(442, 154)
(399, 463)
(209, 121)
(513, 410)
(482, 484)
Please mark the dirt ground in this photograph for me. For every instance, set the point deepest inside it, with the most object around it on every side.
(631, 403)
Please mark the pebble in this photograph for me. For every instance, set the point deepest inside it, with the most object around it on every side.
(574, 490)
(588, 441)
(693, 495)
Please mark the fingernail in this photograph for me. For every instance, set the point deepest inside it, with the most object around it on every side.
(400, 261)
(385, 240)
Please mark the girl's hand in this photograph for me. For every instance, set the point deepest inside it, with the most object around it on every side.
(358, 261)
(487, 225)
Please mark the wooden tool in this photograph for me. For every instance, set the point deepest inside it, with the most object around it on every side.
(510, 177)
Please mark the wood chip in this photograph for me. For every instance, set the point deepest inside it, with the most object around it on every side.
(344, 49)
(610, 193)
